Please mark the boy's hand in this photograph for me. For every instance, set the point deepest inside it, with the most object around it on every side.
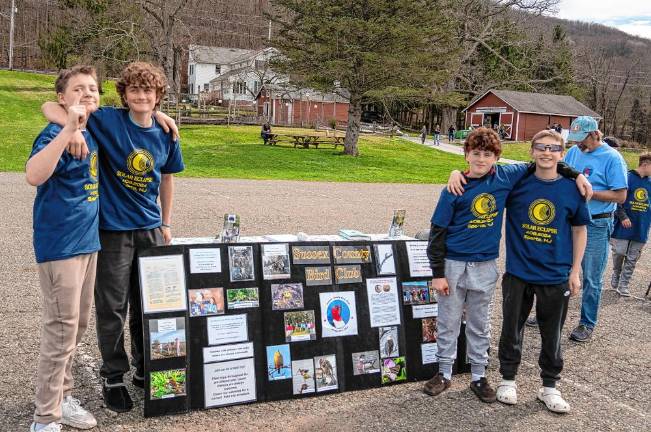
(168, 124)
(441, 286)
(76, 114)
(167, 234)
(456, 182)
(626, 223)
(575, 283)
(77, 146)
(584, 187)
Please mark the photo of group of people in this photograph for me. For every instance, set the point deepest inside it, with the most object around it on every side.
(206, 301)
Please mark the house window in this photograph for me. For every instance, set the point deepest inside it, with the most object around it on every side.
(260, 64)
(191, 88)
(205, 87)
(191, 69)
(218, 69)
(256, 87)
(239, 87)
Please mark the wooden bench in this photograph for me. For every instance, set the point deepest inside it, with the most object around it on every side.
(304, 141)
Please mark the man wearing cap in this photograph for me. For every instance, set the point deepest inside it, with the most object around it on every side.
(605, 168)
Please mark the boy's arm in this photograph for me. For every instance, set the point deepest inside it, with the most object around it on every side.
(39, 167)
(166, 196)
(582, 183)
(76, 145)
(579, 240)
(436, 256)
(620, 214)
(168, 124)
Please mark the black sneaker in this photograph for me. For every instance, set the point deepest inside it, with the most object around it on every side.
(483, 390)
(116, 396)
(138, 380)
(581, 334)
(532, 321)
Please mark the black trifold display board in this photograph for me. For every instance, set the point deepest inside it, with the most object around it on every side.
(178, 343)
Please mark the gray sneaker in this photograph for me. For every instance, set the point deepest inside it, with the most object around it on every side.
(624, 292)
(581, 334)
(51, 427)
(73, 414)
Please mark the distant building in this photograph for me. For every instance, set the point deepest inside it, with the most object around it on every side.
(285, 104)
(206, 63)
(522, 114)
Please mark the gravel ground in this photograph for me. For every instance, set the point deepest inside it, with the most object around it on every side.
(607, 381)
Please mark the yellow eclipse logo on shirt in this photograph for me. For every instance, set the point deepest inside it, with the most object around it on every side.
(140, 162)
(93, 165)
(483, 204)
(541, 212)
(641, 194)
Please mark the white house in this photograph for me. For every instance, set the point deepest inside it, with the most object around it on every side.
(206, 63)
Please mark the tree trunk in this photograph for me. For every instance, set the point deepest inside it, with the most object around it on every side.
(448, 117)
(352, 131)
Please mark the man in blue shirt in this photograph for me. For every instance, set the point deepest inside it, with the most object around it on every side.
(605, 168)
(545, 240)
(631, 226)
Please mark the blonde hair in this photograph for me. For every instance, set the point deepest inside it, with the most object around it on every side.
(548, 133)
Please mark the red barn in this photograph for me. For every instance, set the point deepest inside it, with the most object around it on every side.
(522, 114)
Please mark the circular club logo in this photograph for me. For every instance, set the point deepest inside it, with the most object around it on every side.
(641, 195)
(587, 171)
(93, 165)
(483, 204)
(542, 212)
(338, 314)
(140, 162)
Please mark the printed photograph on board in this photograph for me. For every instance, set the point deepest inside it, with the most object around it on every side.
(389, 342)
(279, 362)
(206, 301)
(367, 362)
(384, 262)
(275, 261)
(167, 384)
(242, 298)
(394, 370)
(303, 376)
(415, 293)
(240, 259)
(286, 296)
(338, 314)
(299, 326)
(325, 372)
(167, 338)
(433, 295)
(430, 331)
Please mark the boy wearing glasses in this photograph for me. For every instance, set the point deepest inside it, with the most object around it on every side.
(545, 240)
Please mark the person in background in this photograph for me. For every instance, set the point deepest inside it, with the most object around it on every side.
(451, 131)
(437, 135)
(265, 132)
(423, 134)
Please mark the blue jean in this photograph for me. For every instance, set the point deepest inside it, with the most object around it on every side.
(593, 266)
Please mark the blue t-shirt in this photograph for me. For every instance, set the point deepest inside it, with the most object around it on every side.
(539, 219)
(66, 208)
(637, 210)
(604, 167)
(131, 159)
(474, 219)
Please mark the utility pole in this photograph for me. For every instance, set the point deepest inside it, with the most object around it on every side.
(269, 36)
(11, 35)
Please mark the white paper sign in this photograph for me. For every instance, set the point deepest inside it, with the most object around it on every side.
(166, 325)
(338, 314)
(425, 311)
(418, 261)
(205, 260)
(428, 352)
(227, 352)
(162, 281)
(227, 329)
(229, 383)
(383, 304)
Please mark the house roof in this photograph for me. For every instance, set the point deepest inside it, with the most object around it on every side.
(216, 55)
(540, 103)
(288, 91)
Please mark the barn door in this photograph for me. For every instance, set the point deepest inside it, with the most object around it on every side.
(476, 120)
(506, 121)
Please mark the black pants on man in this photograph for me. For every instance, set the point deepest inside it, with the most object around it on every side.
(551, 310)
(117, 289)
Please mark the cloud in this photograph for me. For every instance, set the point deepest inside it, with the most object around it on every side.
(630, 16)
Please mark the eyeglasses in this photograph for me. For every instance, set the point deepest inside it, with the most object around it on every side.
(554, 148)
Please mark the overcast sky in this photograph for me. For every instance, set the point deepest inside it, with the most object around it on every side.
(631, 16)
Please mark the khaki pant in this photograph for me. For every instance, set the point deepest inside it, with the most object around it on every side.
(67, 290)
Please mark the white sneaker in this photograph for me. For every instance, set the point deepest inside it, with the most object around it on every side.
(51, 427)
(507, 392)
(72, 414)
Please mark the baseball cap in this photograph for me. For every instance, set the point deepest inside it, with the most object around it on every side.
(581, 127)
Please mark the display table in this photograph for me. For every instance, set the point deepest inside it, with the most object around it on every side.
(263, 320)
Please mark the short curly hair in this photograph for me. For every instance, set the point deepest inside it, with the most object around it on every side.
(65, 75)
(142, 74)
(485, 139)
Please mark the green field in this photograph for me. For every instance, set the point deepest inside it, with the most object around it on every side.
(235, 151)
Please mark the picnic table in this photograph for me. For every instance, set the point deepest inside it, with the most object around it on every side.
(305, 141)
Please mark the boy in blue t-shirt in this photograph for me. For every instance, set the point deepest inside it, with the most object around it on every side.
(137, 160)
(66, 241)
(546, 235)
(464, 244)
(631, 226)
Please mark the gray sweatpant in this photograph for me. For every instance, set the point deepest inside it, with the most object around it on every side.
(472, 285)
(625, 256)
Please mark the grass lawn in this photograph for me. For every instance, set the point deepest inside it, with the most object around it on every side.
(235, 151)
